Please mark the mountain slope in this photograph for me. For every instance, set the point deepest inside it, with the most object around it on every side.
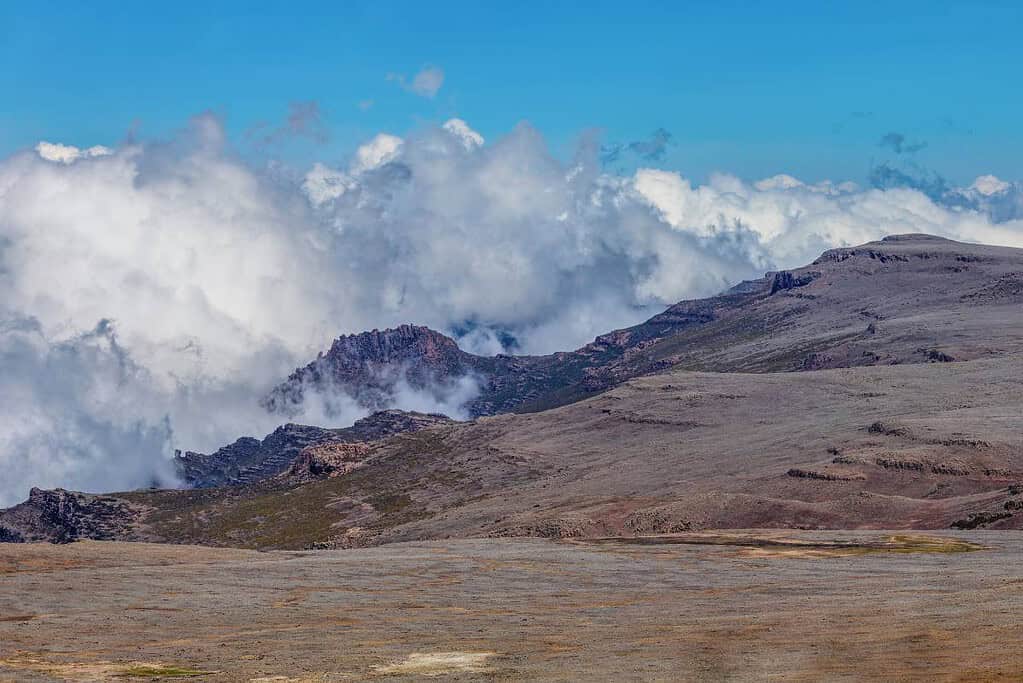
(913, 446)
(905, 299)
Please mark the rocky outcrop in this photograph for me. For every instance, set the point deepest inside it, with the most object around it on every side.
(347, 449)
(328, 460)
(786, 280)
(823, 475)
(981, 519)
(249, 460)
(561, 528)
(60, 516)
(369, 366)
(658, 520)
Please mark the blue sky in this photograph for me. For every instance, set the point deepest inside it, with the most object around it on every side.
(803, 88)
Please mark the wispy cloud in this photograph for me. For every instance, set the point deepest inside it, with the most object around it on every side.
(304, 120)
(426, 83)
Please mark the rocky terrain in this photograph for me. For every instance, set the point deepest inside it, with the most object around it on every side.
(61, 516)
(249, 460)
(878, 387)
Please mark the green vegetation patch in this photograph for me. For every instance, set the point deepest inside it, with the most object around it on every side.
(158, 671)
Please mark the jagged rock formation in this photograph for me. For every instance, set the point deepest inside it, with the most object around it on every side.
(61, 516)
(786, 280)
(328, 459)
(369, 365)
(249, 460)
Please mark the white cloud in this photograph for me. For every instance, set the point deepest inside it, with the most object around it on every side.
(781, 181)
(323, 184)
(65, 154)
(381, 150)
(461, 130)
(220, 279)
(988, 185)
(428, 81)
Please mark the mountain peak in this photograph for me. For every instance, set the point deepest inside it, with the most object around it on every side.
(370, 365)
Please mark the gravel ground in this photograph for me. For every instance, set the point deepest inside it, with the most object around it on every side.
(746, 608)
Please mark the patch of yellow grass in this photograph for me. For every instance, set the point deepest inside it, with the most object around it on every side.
(100, 671)
(439, 663)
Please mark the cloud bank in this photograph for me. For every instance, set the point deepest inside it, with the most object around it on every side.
(155, 292)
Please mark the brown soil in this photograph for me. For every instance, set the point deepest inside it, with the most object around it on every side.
(751, 605)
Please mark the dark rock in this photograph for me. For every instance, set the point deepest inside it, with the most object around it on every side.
(823, 476)
(60, 516)
(936, 356)
(978, 519)
(890, 463)
(249, 460)
(887, 430)
(951, 469)
(786, 280)
(817, 361)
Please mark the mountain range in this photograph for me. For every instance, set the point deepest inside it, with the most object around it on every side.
(877, 387)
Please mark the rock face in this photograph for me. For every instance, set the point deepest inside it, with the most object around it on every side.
(368, 367)
(249, 460)
(824, 315)
(327, 460)
(785, 280)
(61, 516)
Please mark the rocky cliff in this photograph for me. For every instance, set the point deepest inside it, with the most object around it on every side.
(61, 516)
(249, 460)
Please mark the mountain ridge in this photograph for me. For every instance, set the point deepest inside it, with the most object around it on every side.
(367, 365)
